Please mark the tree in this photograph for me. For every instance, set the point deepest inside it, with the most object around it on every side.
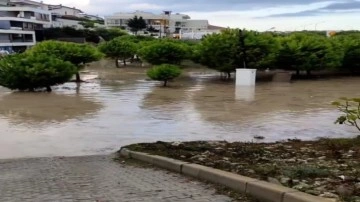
(351, 110)
(136, 24)
(163, 52)
(87, 24)
(306, 52)
(78, 54)
(118, 49)
(351, 59)
(30, 72)
(164, 72)
(110, 34)
(222, 51)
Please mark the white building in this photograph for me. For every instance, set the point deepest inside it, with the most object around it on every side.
(64, 16)
(171, 23)
(64, 10)
(19, 19)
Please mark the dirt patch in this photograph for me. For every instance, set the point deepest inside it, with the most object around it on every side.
(328, 167)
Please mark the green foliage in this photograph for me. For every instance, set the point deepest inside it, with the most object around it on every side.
(351, 112)
(303, 172)
(136, 24)
(222, 51)
(164, 72)
(31, 72)
(110, 34)
(306, 52)
(340, 144)
(163, 52)
(118, 49)
(77, 54)
(87, 24)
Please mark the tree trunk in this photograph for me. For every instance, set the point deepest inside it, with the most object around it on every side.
(124, 61)
(78, 77)
(165, 83)
(48, 89)
(308, 73)
(117, 62)
(228, 75)
(297, 73)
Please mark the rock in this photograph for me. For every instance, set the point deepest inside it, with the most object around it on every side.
(302, 186)
(226, 159)
(322, 158)
(285, 180)
(176, 144)
(344, 190)
(182, 156)
(259, 137)
(251, 171)
(201, 159)
(321, 189)
(290, 160)
(313, 192)
(329, 195)
(357, 186)
(273, 181)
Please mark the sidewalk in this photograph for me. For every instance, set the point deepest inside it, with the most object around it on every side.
(97, 179)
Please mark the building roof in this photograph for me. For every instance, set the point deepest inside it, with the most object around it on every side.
(213, 27)
(55, 7)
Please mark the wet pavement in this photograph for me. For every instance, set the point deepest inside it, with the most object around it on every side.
(95, 179)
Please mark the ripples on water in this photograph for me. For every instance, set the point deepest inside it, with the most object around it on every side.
(122, 108)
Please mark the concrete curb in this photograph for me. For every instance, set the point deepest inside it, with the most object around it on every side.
(259, 189)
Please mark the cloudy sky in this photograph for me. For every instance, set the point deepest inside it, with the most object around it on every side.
(250, 14)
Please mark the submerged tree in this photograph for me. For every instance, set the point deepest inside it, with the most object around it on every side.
(164, 72)
(30, 72)
(163, 52)
(78, 54)
(118, 48)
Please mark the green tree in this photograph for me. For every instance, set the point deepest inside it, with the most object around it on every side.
(351, 59)
(78, 54)
(164, 72)
(222, 51)
(351, 112)
(306, 52)
(30, 72)
(136, 24)
(163, 52)
(110, 34)
(118, 49)
(87, 24)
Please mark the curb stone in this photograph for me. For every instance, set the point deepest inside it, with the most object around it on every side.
(259, 189)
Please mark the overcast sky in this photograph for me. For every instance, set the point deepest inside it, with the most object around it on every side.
(249, 14)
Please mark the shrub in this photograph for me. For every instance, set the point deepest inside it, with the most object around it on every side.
(351, 110)
(78, 54)
(31, 72)
(302, 172)
(164, 72)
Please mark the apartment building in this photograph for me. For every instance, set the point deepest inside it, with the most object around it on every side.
(166, 22)
(64, 16)
(19, 20)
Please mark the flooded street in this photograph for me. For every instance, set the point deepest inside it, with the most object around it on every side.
(121, 107)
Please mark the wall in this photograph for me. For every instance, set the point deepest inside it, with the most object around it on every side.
(67, 23)
(66, 11)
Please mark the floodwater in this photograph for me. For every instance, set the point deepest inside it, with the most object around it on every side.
(122, 107)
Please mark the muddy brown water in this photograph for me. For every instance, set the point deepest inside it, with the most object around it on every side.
(122, 107)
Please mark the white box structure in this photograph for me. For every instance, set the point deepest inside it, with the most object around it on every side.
(245, 77)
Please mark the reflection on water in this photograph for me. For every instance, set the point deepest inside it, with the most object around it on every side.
(122, 108)
(44, 108)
